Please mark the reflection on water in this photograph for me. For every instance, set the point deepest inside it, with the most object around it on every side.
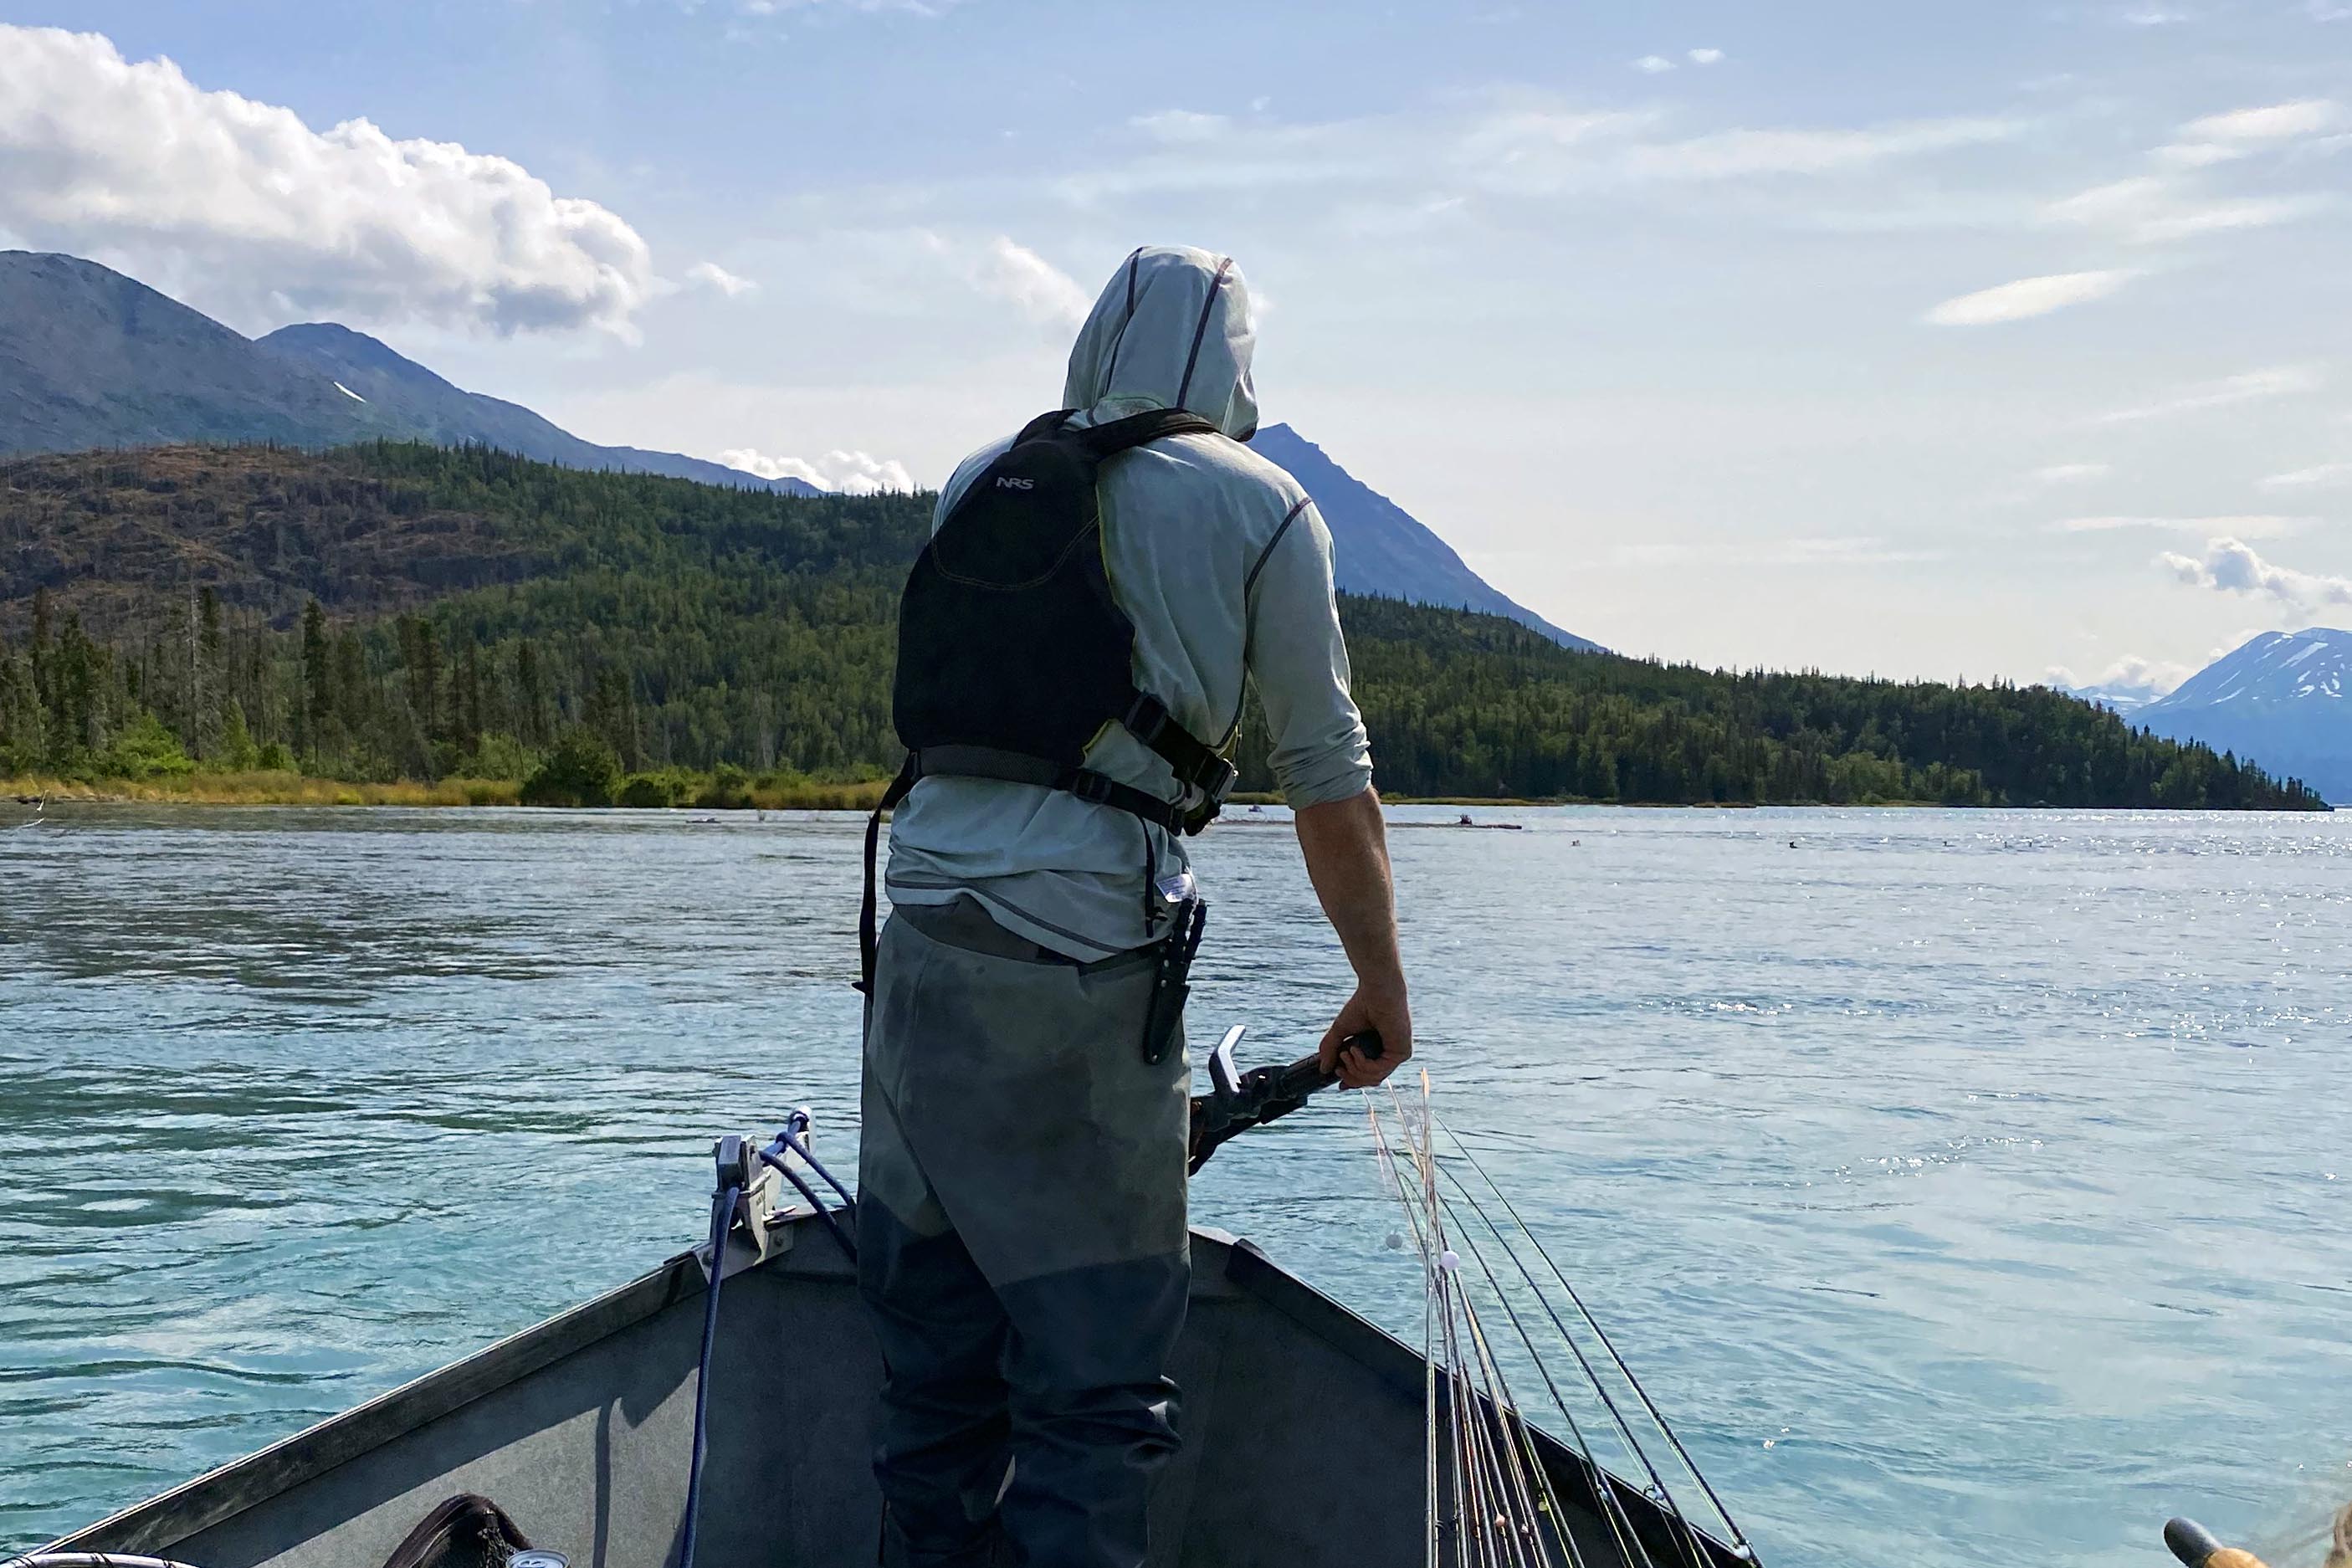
(1963, 1185)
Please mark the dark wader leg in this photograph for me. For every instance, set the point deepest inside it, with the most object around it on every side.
(1022, 1177)
(942, 1454)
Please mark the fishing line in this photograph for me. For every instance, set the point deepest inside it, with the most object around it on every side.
(1497, 1507)
(1504, 1411)
(1611, 1508)
(1468, 1504)
(1739, 1540)
(1632, 1443)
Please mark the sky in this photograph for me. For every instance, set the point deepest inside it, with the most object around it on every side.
(1945, 341)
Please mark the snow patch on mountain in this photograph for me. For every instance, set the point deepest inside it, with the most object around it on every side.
(2278, 700)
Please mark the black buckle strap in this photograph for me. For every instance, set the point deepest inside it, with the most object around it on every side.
(868, 941)
(1019, 767)
(1103, 790)
(1116, 435)
(1196, 764)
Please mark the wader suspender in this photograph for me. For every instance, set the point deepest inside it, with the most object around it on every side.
(1014, 655)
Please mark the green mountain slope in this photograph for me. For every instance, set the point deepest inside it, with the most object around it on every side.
(425, 407)
(90, 358)
(473, 606)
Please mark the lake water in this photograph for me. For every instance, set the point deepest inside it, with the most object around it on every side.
(1968, 1186)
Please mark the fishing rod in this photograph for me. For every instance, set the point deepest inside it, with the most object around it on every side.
(1496, 1492)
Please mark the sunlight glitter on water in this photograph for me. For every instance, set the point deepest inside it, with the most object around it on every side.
(1960, 1183)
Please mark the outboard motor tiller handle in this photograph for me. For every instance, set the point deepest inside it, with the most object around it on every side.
(1237, 1102)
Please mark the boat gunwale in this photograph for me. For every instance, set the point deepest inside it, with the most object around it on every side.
(222, 1493)
(1394, 1360)
(228, 1489)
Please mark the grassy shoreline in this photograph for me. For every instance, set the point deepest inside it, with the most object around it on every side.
(267, 787)
(277, 788)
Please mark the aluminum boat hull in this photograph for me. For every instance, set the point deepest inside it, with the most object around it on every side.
(1304, 1437)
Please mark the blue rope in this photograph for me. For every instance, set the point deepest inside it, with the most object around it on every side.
(799, 1122)
(723, 1204)
(841, 1237)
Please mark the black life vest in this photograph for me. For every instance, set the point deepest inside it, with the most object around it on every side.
(1014, 657)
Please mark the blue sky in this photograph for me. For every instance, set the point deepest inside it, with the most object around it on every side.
(1920, 340)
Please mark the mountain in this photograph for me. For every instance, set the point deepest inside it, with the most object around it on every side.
(2116, 696)
(427, 408)
(2281, 701)
(1382, 549)
(90, 358)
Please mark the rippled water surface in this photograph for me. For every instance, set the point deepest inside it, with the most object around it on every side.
(1968, 1186)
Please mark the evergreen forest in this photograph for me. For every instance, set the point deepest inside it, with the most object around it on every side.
(404, 611)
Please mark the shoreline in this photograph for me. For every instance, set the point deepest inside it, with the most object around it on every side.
(286, 789)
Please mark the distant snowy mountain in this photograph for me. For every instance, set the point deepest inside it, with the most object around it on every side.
(2114, 698)
(1378, 547)
(2281, 701)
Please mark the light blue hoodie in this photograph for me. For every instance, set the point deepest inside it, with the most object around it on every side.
(1222, 562)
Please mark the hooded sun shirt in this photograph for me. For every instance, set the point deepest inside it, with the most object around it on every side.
(1220, 560)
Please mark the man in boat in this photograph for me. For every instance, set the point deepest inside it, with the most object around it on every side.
(1021, 1224)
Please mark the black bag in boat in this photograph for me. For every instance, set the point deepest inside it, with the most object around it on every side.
(467, 1532)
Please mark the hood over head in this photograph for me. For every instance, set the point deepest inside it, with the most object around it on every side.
(1172, 329)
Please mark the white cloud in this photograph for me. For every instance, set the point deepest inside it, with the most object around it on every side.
(851, 473)
(2026, 297)
(2254, 386)
(2274, 123)
(245, 208)
(1841, 551)
(1732, 155)
(2306, 478)
(1653, 65)
(2249, 526)
(2232, 567)
(710, 275)
(2199, 154)
(1706, 57)
(1513, 144)
(2129, 676)
(2147, 209)
(1040, 291)
(1180, 126)
(777, 7)
(2072, 473)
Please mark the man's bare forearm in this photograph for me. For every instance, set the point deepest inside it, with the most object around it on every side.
(1346, 849)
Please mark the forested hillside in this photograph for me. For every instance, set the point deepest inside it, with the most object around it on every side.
(400, 611)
